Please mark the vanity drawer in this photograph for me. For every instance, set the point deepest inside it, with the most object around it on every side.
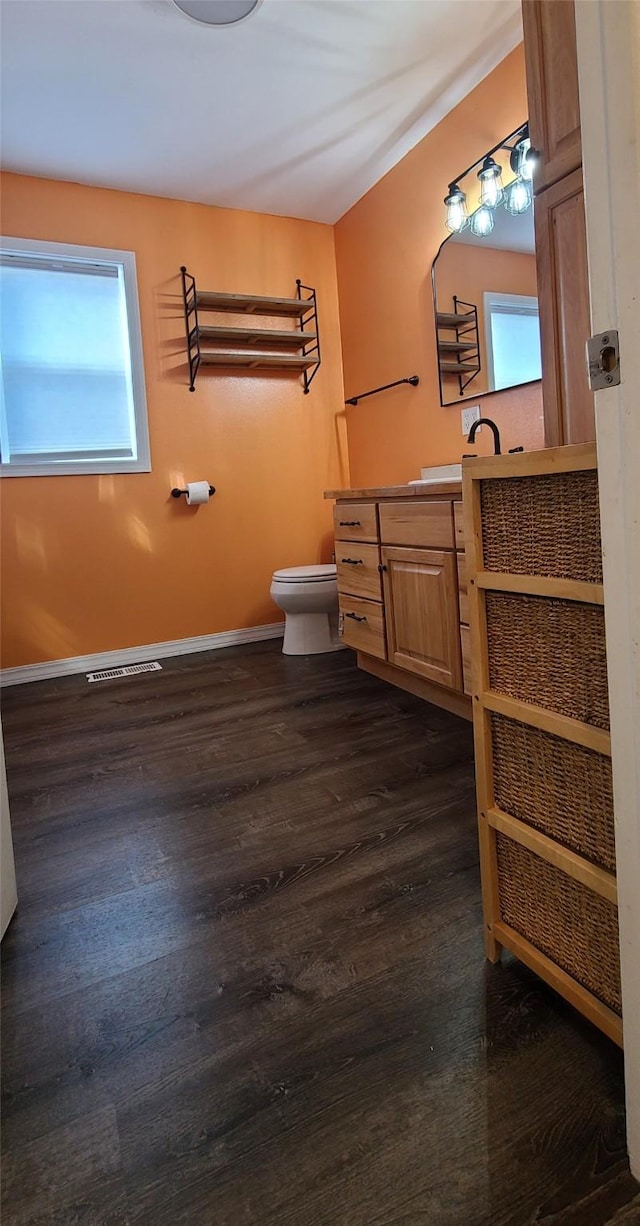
(463, 596)
(458, 520)
(417, 523)
(362, 625)
(355, 521)
(358, 570)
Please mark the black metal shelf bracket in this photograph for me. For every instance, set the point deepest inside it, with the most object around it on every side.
(469, 330)
(190, 300)
(413, 380)
(312, 348)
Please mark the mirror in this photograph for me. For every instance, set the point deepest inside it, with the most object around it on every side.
(486, 303)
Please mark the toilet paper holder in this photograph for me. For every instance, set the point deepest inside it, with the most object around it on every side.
(176, 493)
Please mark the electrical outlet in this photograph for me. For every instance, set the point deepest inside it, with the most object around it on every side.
(468, 418)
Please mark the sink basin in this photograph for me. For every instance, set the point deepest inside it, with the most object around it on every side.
(438, 474)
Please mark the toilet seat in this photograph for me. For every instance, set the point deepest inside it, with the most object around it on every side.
(306, 574)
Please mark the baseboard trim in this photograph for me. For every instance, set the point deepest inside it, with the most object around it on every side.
(137, 655)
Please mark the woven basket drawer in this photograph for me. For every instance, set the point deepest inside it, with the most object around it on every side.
(550, 653)
(544, 525)
(575, 928)
(561, 789)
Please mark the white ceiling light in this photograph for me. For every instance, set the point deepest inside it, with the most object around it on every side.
(218, 12)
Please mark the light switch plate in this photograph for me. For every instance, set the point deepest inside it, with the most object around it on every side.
(468, 417)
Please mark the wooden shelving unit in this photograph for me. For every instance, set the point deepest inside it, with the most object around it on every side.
(458, 357)
(250, 348)
(541, 722)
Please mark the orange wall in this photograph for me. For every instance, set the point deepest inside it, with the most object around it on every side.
(92, 563)
(471, 272)
(385, 246)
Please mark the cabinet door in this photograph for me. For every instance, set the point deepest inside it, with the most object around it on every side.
(421, 610)
(552, 87)
(565, 321)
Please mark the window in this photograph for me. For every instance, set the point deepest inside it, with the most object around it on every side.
(73, 396)
(512, 333)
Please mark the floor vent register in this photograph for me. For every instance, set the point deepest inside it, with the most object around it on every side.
(107, 674)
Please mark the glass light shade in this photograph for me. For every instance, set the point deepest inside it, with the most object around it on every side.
(490, 176)
(482, 221)
(518, 197)
(457, 215)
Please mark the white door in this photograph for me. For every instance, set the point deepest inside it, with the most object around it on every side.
(609, 74)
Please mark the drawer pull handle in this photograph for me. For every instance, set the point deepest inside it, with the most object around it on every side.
(352, 561)
(349, 523)
(355, 617)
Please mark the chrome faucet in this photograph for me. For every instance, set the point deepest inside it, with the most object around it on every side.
(486, 421)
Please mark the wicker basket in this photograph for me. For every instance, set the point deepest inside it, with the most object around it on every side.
(545, 525)
(550, 653)
(575, 928)
(558, 787)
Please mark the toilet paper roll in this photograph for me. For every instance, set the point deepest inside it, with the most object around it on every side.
(197, 492)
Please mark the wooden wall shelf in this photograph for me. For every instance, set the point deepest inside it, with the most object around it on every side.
(221, 345)
(257, 361)
(252, 304)
(257, 338)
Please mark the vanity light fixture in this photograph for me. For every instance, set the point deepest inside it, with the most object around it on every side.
(456, 202)
(516, 197)
(482, 221)
(491, 190)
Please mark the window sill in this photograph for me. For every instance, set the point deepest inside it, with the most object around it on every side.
(69, 469)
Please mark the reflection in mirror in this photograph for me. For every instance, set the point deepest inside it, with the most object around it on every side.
(486, 302)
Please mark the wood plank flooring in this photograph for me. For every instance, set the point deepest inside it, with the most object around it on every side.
(246, 983)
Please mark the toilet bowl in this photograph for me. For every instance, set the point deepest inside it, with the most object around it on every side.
(308, 596)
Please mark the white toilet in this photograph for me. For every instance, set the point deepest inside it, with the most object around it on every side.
(308, 596)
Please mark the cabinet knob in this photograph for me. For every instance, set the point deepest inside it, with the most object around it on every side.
(381, 567)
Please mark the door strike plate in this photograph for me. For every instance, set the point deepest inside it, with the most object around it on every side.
(603, 360)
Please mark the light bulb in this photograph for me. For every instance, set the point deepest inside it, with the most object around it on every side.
(490, 177)
(518, 197)
(456, 203)
(482, 222)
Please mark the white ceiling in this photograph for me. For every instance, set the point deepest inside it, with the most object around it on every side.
(296, 111)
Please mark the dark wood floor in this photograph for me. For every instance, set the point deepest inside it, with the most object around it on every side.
(246, 981)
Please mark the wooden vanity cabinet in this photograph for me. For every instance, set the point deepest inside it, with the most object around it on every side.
(552, 86)
(565, 320)
(398, 563)
(561, 249)
(421, 606)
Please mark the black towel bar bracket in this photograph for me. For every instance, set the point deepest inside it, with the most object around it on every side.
(413, 380)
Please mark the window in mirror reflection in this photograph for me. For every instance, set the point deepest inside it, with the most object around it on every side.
(512, 335)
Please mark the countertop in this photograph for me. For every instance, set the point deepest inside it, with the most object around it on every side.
(424, 489)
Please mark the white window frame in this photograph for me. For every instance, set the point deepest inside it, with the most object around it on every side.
(71, 468)
(507, 304)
